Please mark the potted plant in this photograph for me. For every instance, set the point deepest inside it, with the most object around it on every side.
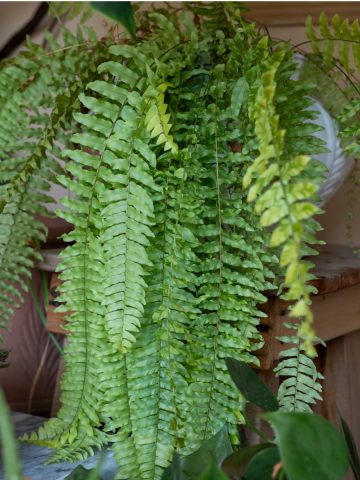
(187, 148)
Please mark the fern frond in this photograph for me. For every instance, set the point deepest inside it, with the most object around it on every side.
(151, 395)
(162, 340)
(95, 212)
(104, 271)
(35, 110)
(282, 190)
(229, 255)
(301, 387)
(338, 40)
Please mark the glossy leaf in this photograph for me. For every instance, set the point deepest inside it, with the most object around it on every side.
(352, 448)
(261, 465)
(10, 458)
(236, 464)
(173, 471)
(216, 449)
(120, 12)
(213, 472)
(251, 386)
(310, 446)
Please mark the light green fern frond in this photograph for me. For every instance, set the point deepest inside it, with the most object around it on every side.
(283, 192)
(290, 206)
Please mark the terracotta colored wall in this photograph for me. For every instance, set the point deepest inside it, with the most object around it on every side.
(30, 347)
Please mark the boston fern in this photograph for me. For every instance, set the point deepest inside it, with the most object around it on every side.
(179, 150)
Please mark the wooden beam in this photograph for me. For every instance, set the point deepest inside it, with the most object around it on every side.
(295, 13)
(335, 315)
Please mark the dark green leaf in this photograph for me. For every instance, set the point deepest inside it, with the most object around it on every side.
(81, 473)
(236, 463)
(119, 12)
(213, 472)
(217, 448)
(12, 469)
(310, 446)
(251, 386)
(262, 464)
(352, 449)
(173, 471)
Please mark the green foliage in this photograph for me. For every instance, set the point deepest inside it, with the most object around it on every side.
(237, 463)
(11, 463)
(36, 108)
(301, 387)
(169, 256)
(352, 448)
(119, 12)
(261, 466)
(251, 386)
(211, 453)
(316, 451)
(81, 473)
(318, 444)
(213, 472)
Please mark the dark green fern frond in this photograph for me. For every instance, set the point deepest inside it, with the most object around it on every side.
(229, 269)
(34, 114)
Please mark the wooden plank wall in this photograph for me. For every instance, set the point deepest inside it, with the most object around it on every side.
(295, 13)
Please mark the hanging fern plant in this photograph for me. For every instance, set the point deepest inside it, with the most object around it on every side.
(180, 150)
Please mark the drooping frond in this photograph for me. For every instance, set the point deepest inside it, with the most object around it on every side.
(168, 262)
(230, 263)
(283, 189)
(158, 376)
(104, 271)
(153, 370)
(88, 264)
(34, 111)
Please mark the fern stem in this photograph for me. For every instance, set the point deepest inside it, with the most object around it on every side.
(218, 313)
